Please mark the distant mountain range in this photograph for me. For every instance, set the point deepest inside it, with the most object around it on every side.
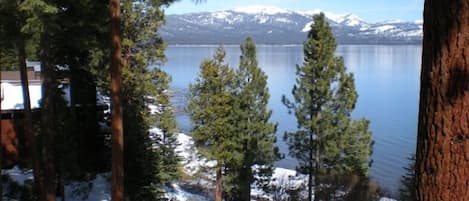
(272, 25)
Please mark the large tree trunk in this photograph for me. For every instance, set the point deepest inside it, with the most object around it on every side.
(116, 105)
(442, 167)
(315, 171)
(47, 179)
(245, 183)
(85, 131)
(219, 185)
(28, 118)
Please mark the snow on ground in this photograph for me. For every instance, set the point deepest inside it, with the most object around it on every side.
(17, 175)
(99, 189)
(181, 195)
(386, 199)
(192, 162)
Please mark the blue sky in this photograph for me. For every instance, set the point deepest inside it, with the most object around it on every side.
(369, 10)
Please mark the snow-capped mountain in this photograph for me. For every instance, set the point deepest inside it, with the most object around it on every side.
(272, 25)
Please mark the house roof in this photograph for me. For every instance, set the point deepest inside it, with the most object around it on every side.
(33, 73)
(14, 76)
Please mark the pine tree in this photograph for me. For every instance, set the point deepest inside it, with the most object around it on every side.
(166, 141)
(13, 19)
(407, 189)
(141, 46)
(41, 19)
(256, 134)
(211, 109)
(328, 143)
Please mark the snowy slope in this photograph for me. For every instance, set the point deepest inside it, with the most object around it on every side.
(269, 24)
(261, 9)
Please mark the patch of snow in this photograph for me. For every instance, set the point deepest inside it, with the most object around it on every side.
(307, 27)
(192, 162)
(347, 19)
(282, 19)
(353, 22)
(411, 33)
(261, 9)
(384, 28)
(181, 195)
(221, 14)
(18, 175)
(392, 22)
(386, 199)
(155, 109)
(310, 12)
(281, 174)
(98, 189)
(364, 28)
(262, 19)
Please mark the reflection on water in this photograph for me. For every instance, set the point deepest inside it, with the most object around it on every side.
(386, 77)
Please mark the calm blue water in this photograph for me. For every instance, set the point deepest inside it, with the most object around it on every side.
(387, 80)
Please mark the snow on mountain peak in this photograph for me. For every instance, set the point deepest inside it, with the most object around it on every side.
(261, 9)
(310, 12)
(348, 19)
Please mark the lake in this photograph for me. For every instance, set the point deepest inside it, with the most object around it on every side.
(387, 81)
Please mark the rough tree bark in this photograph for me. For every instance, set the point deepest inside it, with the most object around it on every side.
(28, 118)
(312, 160)
(219, 185)
(47, 178)
(245, 188)
(116, 104)
(317, 164)
(442, 168)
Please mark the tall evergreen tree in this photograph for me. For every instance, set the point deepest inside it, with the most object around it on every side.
(13, 19)
(211, 109)
(328, 143)
(41, 19)
(442, 164)
(407, 189)
(166, 141)
(256, 134)
(142, 46)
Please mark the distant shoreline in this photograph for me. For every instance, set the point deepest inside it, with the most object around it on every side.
(288, 45)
